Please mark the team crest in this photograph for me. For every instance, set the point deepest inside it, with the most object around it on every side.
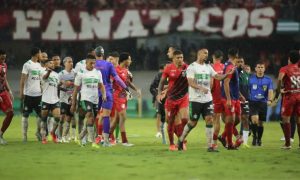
(265, 87)
(254, 86)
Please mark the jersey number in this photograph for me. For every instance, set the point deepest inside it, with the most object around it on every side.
(295, 81)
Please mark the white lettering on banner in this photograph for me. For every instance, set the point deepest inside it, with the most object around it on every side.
(165, 19)
(31, 20)
(261, 19)
(235, 18)
(188, 19)
(130, 26)
(203, 21)
(59, 27)
(99, 25)
(236, 23)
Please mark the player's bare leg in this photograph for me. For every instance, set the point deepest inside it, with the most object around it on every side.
(287, 132)
(56, 115)
(123, 117)
(216, 125)
(9, 114)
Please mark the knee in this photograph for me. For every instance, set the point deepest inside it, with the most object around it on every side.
(10, 114)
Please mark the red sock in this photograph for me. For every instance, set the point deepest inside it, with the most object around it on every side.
(235, 131)
(178, 130)
(111, 136)
(298, 129)
(229, 130)
(7, 121)
(287, 133)
(100, 129)
(124, 138)
(171, 133)
(184, 121)
(215, 137)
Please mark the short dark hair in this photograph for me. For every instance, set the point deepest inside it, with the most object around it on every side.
(177, 52)
(114, 54)
(35, 50)
(90, 56)
(260, 63)
(2, 52)
(123, 56)
(46, 61)
(233, 52)
(218, 54)
(294, 56)
(162, 66)
(90, 50)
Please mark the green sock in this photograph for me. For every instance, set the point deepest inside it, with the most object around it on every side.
(117, 131)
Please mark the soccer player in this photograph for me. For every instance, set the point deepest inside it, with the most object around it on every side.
(67, 77)
(160, 110)
(288, 78)
(30, 90)
(230, 97)
(57, 61)
(120, 96)
(244, 96)
(218, 66)
(177, 96)
(199, 78)
(44, 58)
(107, 69)
(90, 82)
(6, 97)
(50, 100)
(261, 95)
(113, 57)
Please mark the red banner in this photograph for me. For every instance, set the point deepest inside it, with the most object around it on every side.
(70, 25)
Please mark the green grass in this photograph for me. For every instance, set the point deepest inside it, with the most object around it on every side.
(148, 159)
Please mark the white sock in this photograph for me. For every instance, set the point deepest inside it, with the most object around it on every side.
(90, 130)
(245, 136)
(105, 137)
(67, 128)
(73, 132)
(50, 121)
(209, 135)
(38, 124)
(24, 126)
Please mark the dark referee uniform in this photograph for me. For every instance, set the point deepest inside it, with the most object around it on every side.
(259, 88)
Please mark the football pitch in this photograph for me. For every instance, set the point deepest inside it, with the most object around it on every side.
(148, 159)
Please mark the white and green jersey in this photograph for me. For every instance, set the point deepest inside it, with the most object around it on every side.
(201, 73)
(66, 76)
(32, 85)
(80, 67)
(50, 88)
(89, 82)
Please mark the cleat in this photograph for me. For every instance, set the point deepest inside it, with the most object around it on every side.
(215, 146)
(54, 138)
(245, 146)
(2, 141)
(38, 136)
(292, 140)
(44, 141)
(158, 135)
(112, 142)
(106, 144)
(65, 140)
(286, 147)
(81, 143)
(98, 139)
(179, 146)
(259, 143)
(184, 146)
(232, 148)
(172, 147)
(117, 140)
(211, 149)
(238, 142)
(222, 140)
(96, 146)
(282, 138)
(127, 144)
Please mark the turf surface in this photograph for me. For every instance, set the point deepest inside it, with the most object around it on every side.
(148, 159)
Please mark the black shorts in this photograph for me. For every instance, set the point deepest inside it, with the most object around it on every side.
(65, 109)
(31, 103)
(160, 109)
(50, 107)
(258, 108)
(89, 107)
(197, 109)
(245, 108)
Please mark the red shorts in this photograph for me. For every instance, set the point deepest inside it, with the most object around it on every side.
(173, 106)
(120, 104)
(6, 103)
(290, 105)
(218, 108)
(235, 108)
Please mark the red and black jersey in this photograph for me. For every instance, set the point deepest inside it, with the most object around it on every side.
(291, 80)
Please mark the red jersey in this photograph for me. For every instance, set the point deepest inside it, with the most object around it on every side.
(178, 84)
(291, 80)
(123, 74)
(3, 72)
(216, 89)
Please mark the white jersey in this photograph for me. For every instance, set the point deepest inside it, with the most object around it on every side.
(80, 67)
(32, 85)
(50, 88)
(201, 73)
(66, 76)
(89, 82)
